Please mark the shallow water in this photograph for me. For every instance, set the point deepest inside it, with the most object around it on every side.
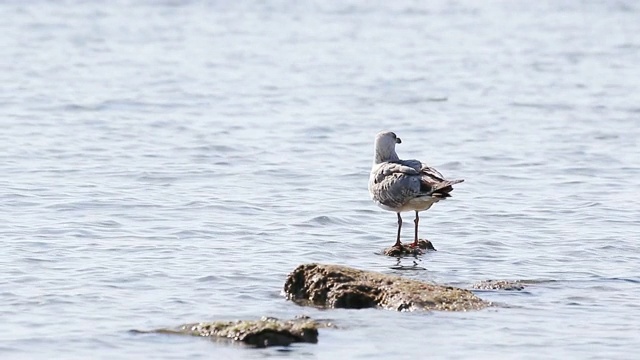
(168, 162)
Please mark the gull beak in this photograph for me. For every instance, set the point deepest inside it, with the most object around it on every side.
(398, 140)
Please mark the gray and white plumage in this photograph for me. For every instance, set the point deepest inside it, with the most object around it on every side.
(404, 185)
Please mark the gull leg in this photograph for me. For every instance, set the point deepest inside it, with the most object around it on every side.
(399, 227)
(415, 235)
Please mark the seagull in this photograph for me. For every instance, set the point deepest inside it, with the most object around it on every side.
(404, 185)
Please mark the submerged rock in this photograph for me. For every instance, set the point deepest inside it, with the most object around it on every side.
(335, 286)
(260, 333)
(499, 285)
(407, 249)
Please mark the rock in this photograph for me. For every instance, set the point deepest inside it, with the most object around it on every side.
(335, 286)
(407, 249)
(259, 333)
(499, 285)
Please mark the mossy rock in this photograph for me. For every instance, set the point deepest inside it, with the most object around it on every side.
(409, 249)
(335, 286)
(265, 332)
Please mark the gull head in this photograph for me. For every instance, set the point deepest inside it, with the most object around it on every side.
(385, 146)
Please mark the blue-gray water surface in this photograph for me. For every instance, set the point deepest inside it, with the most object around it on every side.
(167, 162)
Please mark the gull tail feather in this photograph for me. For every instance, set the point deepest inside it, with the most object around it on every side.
(443, 188)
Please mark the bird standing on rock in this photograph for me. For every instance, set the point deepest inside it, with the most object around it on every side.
(404, 185)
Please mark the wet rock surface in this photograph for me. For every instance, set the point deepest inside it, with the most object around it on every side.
(335, 286)
(510, 285)
(408, 250)
(259, 333)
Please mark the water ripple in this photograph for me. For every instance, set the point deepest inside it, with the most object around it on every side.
(169, 162)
